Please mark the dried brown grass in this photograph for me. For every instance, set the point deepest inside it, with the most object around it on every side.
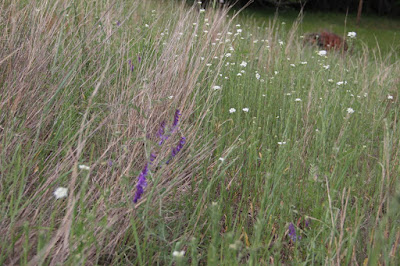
(49, 62)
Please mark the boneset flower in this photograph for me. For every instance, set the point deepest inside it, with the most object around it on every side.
(351, 34)
(60, 192)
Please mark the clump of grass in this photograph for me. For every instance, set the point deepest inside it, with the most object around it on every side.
(273, 143)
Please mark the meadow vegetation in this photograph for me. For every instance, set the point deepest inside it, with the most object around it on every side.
(249, 147)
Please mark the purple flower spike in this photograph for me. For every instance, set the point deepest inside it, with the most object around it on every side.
(142, 183)
(308, 223)
(139, 58)
(176, 121)
(152, 157)
(131, 66)
(177, 149)
(161, 132)
(292, 232)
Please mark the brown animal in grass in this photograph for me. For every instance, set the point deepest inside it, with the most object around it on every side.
(326, 40)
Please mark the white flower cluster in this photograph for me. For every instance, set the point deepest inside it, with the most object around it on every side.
(351, 34)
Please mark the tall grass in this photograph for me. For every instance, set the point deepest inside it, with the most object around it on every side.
(271, 140)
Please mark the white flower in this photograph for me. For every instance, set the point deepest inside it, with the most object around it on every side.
(231, 49)
(280, 42)
(330, 80)
(283, 23)
(232, 110)
(239, 74)
(221, 159)
(276, 72)
(84, 167)
(202, 10)
(303, 63)
(341, 83)
(60, 192)
(208, 64)
(228, 55)
(350, 110)
(243, 64)
(281, 142)
(390, 97)
(178, 254)
(351, 34)
(170, 97)
(322, 53)
(292, 65)
(146, 25)
(245, 110)
(297, 100)
(216, 87)
(239, 30)
(258, 76)
(326, 66)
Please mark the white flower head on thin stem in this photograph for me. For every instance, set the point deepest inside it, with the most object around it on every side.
(84, 167)
(60, 192)
(178, 254)
(245, 110)
(390, 97)
(216, 87)
(243, 64)
(322, 53)
(350, 110)
(232, 110)
(351, 34)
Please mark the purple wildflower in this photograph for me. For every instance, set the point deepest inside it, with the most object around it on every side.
(131, 66)
(153, 156)
(139, 58)
(308, 223)
(177, 149)
(118, 23)
(292, 233)
(163, 137)
(141, 184)
(110, 163)
(161, 132)
(176, 121)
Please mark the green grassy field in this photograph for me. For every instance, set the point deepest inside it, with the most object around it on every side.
(249, 148)
(373, 31)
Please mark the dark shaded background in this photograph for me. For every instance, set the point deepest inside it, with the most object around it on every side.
(379, 7)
